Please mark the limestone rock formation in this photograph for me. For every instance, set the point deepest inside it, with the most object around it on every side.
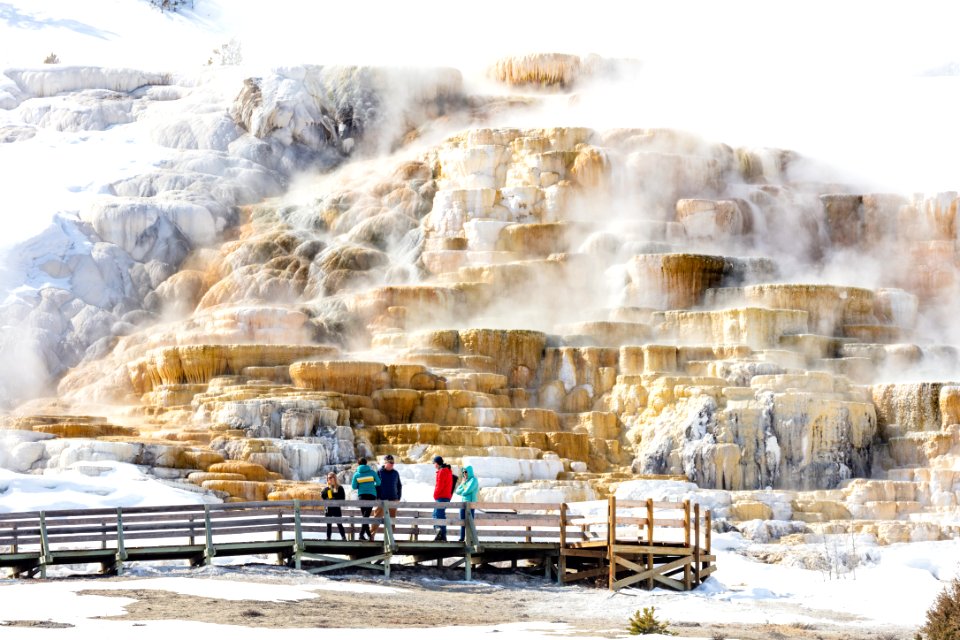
(573, 312)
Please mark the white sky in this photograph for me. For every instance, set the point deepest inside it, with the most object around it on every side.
(833, 80)
(815, 36)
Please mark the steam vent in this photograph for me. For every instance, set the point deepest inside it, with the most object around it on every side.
(574, 311)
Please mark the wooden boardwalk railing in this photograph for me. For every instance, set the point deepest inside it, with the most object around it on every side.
(643, 543)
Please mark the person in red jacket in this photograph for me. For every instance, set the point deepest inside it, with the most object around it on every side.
(442, 492)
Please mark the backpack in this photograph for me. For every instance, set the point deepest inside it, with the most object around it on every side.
(453, 485)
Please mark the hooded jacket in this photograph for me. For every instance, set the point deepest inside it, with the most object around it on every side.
(469, 487)
(365, 481)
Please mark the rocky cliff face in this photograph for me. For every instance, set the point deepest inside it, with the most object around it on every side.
(566, 309)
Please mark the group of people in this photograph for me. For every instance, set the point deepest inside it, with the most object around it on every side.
(443, 491)
(384, 485)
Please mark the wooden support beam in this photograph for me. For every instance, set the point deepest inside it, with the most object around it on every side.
(655, 575)
(696, 544)
(319, 557)
(708, 530)
(623, 562)
(625, 582)
(636, 549)
(389, 535)
(612, 539)
(297, 535)
(585, 574)
(472, 537)
(562, 560)
(209, 550)
(669, 582)
(604, 542)
(121, 554)
(585, 553)
(664, 568)
(46, 557)
(650, 540)
(362, 563)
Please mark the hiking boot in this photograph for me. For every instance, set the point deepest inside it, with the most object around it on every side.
(440, 537)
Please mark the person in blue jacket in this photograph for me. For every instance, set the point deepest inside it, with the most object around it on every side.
(468, 489)
(390, 489)
(365, 482)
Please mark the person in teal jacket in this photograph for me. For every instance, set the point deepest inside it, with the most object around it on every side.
(365, 482)
(468, 488)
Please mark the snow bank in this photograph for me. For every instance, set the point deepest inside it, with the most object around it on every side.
(51, 80)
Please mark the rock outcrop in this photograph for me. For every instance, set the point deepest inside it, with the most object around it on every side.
(573, 312)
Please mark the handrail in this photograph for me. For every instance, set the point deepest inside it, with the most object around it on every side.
(300, 525)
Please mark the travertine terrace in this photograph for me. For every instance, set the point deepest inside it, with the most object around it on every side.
(564, 308)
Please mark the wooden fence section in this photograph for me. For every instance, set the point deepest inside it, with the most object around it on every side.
(628, 543)
(652, 542)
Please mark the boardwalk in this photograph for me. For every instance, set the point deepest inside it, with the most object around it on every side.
(618, 544)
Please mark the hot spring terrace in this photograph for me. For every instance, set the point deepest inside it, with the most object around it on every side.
(643, 543)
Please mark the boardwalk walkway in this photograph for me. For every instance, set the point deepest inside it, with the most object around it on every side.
(619, 544)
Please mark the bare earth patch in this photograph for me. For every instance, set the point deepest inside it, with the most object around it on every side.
(37, 624)
(439, 602)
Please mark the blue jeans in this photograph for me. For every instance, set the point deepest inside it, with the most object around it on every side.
(463, 518)
(440, 514)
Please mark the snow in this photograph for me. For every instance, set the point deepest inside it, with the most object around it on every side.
(72, 149)
(89, 485)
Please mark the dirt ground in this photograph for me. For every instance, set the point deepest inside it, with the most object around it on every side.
(441, 601)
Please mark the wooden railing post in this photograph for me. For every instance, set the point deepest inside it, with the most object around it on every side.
(686, 543)
(121, 554)
(612, 538)
(47, 557)
(696, 543)
(472, 537)
(469, 540)
(562, 560)
(389, 545)
(209, 551)
(650, 542)
(706, 536)
(297, 534)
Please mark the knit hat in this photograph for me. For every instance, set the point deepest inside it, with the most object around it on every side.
(388, 458)
(437, 460)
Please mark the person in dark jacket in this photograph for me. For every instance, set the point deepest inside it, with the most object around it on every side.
(333, 491)
(442, 492)
(390, 489)
(365, 481)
